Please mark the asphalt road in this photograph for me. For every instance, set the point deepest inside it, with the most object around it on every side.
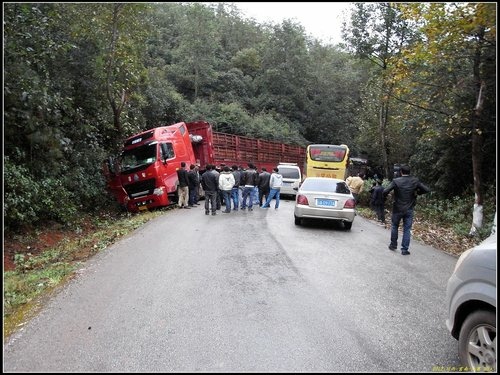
(246, 292)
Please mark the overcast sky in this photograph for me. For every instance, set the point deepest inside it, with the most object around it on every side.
(321, 20)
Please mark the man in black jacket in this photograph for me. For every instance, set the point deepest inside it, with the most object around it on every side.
(183, 189)
(406, 188)
(377, 200)
(210, 183)
(250, 179)
(235, 192)
(264, 178)
(193, 185)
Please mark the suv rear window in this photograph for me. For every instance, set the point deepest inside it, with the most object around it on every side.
(287, 172)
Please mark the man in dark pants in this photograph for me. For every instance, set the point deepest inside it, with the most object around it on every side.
(251, 180)
(183, 189)
(406, 188)
(210, 183)
(264, 178)
(193, 185)
(377, 201)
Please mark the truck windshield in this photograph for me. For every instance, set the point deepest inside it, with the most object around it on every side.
(139, 156)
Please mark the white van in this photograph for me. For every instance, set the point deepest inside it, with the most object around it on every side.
(291, 178)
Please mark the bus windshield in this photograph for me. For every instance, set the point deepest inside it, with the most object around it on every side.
(327, 153)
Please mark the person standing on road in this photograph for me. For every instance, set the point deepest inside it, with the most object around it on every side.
(264, 177)
(197, 193)
(251, 178)
(372, 189)
(193, 185)
(275, 184)
(235, 191)
(216, 172)
(378, 200)
(209, 182)
(355, 184)
(406, 188)
(183, 189)
(226, 183)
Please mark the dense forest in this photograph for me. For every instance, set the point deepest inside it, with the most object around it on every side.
(411, 83)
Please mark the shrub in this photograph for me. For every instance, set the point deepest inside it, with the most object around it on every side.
(19, 195)
(28, 201)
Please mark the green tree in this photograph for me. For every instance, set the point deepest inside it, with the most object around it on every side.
(285, 73)
(379, 33)
(35, 102)
(195, 58)
(49, 141)
(459, 43)
(335, 83)
(120, 31)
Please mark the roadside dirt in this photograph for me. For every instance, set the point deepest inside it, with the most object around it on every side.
(34, 242)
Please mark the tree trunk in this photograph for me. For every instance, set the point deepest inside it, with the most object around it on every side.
(477, 142)
(115, 107)
(383, 120)
(196, 81)
(383, 137)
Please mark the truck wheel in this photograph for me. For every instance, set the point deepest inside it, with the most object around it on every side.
(173, 199)
(477, 342)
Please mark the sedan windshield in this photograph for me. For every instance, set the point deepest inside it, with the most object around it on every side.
(325, 185)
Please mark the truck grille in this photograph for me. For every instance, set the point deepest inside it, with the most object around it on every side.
(141, 188)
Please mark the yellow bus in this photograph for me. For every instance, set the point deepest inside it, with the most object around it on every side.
(327, 161)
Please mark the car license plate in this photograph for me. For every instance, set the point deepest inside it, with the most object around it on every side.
(287, 183)
(142, 208)
(326, 202)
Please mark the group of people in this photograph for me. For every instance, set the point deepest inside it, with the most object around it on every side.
(230, 186)
(406, 188)
(237, 187)
(377, 200)
(188, 188)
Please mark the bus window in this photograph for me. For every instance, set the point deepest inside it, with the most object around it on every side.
(327, 153)
(326, 161)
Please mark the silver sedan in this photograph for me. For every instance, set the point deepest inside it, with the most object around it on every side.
(325, 198)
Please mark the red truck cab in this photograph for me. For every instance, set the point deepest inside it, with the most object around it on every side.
(147, 173)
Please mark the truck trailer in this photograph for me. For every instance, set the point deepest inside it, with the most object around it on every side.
(144, 176)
